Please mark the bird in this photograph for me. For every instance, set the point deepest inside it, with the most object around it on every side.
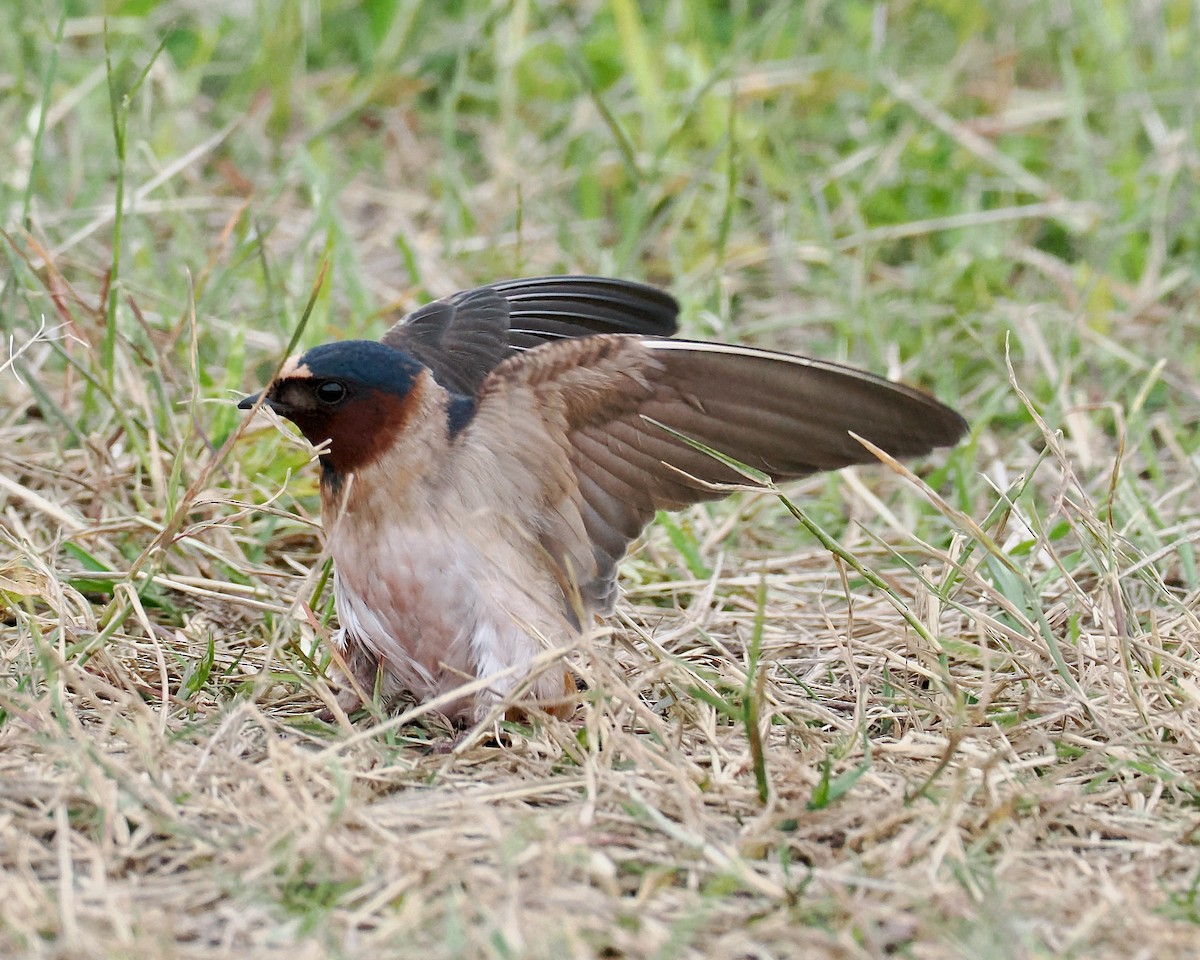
(487, 463)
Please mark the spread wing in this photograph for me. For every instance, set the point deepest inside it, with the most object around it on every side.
(463, 337)
(577, 428)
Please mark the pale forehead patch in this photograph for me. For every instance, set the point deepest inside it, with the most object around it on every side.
(293, 369)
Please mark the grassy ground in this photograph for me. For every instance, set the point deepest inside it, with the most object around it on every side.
(973, 731)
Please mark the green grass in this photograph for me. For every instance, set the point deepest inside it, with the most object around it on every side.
(972, 711)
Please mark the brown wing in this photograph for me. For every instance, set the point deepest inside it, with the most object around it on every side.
(585, 420)
(463, 337)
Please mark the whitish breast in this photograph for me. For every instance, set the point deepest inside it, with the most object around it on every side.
(437, 610)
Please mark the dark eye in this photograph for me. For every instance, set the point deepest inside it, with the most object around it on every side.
(331, 391)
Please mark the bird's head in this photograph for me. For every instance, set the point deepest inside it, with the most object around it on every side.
(356, 394)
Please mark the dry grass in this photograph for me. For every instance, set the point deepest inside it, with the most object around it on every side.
(1021, 778)
(972, 729)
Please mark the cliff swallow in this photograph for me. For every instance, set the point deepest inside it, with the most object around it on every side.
(485, 466)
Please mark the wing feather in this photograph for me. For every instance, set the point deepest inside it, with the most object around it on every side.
(462, 338)
(597, 405)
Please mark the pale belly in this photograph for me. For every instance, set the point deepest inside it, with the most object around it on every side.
(428, 610)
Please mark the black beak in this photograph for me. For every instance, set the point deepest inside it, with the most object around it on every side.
(280, 408)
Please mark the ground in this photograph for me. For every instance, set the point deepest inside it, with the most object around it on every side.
(952, 712)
